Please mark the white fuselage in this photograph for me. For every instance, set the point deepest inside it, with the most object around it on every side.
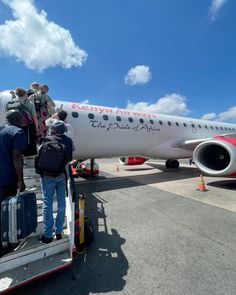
(106, 132)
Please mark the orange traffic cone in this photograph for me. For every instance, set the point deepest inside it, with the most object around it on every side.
(201, 185)
(117, 168)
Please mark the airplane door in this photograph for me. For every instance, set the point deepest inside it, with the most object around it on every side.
(194, 127)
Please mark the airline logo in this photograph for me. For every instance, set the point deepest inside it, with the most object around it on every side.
(102, 110)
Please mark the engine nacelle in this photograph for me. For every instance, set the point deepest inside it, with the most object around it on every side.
(131, 161)
(216, 157)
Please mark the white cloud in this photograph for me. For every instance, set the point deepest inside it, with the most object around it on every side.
(215, 7)
(209, 116)
(172, 104)
(138, 75)
(227, 116)
(39, 43)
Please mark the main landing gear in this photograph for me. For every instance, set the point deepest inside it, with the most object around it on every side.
(172, 164)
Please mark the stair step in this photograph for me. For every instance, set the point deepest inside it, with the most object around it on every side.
(26, 272)
(32, 250)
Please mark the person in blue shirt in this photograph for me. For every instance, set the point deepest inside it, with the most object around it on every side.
(12, 145)
(51, 185)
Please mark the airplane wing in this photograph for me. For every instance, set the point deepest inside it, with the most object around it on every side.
(191, 144)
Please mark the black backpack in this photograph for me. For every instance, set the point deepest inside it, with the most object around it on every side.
(15, 104)
(51, 158)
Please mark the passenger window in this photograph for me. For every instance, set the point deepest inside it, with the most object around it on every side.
(105, 117)
(118, 118)
(160, 122)
(216, 128)
(151, 122)
(233, 129)
(221, 128)
(229, 129)
(74, 114)
(91, 116)
(177, 124)
(185, 125)
(199, 126)
(130, 120)
(226, 128)
(169, 123)
(206, 127)
(212, 127)
(141, 121)
(193, 125)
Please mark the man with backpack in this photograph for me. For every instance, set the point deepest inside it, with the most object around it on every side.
(54, 153)
(30, 127)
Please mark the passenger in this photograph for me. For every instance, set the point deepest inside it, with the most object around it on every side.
(61, 115)
(12, 144)
(34, 88)
(57, 184)
(30, 125)
(44, 106)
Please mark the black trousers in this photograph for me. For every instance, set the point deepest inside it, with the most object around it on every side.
(30, 134)
(5, 192)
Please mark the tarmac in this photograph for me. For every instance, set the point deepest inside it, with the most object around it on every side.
(155, 233)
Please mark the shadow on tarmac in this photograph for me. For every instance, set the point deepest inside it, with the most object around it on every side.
(224, 184)
(103, 267)
(109, 182)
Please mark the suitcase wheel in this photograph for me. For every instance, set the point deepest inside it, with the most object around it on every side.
(4, 209)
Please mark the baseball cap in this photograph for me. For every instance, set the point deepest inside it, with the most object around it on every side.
(59, 127)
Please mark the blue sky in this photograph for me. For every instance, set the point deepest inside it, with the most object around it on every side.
(168, 56)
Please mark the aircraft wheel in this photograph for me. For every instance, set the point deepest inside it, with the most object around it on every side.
(172, 164)
(168, 163)
(175, 164)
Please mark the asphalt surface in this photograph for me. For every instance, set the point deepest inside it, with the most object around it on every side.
(154, 234)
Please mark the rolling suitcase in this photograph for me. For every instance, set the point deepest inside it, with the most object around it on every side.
(18, 217)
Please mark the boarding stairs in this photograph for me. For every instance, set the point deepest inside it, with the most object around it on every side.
(33, 259)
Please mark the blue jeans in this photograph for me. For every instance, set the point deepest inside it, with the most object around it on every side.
(50, 186)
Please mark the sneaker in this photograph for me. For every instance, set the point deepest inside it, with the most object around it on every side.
(44, 239)
(58, 236)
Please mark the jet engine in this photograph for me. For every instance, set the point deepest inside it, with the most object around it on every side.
(131, 161)
(216, 157)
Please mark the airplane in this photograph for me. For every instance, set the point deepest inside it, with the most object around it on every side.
(135, 136)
